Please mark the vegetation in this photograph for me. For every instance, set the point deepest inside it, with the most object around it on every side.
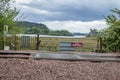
(33, 28)
(7, 16)
(111, 35)
(60, 33)
(36, 28)
(93, 33)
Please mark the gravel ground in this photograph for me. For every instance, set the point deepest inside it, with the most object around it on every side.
(24, 69)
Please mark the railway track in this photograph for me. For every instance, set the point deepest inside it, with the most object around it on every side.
(21, 55)
(61, 56)
(10, 56)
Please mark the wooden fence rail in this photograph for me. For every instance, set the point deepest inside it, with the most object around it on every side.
(50, 43)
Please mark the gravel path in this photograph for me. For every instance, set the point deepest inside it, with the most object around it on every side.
(23, 69)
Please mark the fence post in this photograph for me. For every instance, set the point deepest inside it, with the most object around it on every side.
(101, 45)
(3, 42)
(98, 40)
(15, 48)
(38, 42)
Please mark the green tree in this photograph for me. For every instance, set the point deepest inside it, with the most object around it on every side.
(7, 15)
(37, 30)
(66, 33)
(93, 32)
(111, 35)
(61, 33)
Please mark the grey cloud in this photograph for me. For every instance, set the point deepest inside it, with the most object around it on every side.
(70, 9)
(92, 4)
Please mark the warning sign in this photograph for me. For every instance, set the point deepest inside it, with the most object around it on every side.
(76, 44)
(5, 30)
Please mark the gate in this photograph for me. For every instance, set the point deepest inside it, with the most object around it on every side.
(21, 42)
(51, 43)
(25, 41)
(64, 43)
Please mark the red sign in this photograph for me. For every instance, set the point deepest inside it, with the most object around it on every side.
(76, 44)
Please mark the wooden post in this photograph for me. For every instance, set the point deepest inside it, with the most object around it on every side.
(38, 42)
(15, 47)
(101, 45)
(5, 33)
(98, 41)
(3, 42)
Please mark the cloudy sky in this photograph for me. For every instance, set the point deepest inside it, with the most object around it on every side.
(71, 15)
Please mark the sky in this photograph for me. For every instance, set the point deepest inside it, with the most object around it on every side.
(72, 15)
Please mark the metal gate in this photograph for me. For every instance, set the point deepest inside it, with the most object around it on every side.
(21, 42)
(25, 41)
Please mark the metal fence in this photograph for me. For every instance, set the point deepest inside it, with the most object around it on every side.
(48, 43)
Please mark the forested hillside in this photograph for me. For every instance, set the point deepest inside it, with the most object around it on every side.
(38, 28)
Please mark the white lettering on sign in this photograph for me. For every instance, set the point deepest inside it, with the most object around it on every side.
(76, 44)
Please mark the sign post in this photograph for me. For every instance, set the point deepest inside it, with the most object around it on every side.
(5, 33)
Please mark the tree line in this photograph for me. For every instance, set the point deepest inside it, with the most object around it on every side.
(38, 28)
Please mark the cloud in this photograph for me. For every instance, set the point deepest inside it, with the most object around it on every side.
(23, 1)
(76, 26)
(71, 15)
(75, 4)
(39, 11)
(65, 10)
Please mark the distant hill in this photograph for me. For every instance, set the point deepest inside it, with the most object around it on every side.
(38, 28)
(31, 24)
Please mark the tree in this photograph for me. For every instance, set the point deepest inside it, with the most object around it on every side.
(66, 33)
(93, 32)
(7, 15)
(60, 33)
(37, 30)
(111, 35)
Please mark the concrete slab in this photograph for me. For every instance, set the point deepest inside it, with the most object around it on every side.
(55, 56)
(72, 57)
